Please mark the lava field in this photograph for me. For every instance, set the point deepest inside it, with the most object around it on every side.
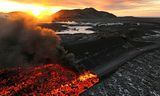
(46, 80)
(138, 77)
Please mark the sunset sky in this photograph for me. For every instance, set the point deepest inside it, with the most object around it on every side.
(117, 7)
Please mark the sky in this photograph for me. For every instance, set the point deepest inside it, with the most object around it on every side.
(150, 8)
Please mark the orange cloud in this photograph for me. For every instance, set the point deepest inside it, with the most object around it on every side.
(118, 7)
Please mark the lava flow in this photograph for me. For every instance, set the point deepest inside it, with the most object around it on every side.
(46, 80)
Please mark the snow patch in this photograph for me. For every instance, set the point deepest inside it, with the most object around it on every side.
(77, 30)
(69, 22)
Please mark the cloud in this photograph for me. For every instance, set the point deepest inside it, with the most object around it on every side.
(106, 5)
(111, 4)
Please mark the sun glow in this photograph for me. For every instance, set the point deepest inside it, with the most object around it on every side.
(40, 11)
(36, 12)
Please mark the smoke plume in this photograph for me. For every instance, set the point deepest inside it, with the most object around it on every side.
(23, 43)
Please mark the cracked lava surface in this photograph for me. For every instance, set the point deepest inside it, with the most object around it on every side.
(46, 80)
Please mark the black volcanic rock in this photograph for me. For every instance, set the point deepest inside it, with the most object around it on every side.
(138, 77)
(87, 13)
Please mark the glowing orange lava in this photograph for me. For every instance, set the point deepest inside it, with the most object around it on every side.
(47, 80)
(76, 86)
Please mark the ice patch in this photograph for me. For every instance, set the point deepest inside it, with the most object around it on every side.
(138, 24)
(69, 22)
(158, 32)
(149, 36)
(77, 30)
(111, 24)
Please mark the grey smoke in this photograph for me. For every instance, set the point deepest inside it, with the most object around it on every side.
(22, 43)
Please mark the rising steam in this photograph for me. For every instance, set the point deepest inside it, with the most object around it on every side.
(23, 43)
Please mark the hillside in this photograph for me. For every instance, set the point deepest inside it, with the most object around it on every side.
(87, 13)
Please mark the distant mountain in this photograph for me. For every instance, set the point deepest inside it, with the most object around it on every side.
(87, 13)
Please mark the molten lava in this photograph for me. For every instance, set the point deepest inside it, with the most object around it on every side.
(76, 86)
(47, 80)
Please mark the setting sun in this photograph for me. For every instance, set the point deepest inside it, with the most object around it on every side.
(40, 12)
(37, 10)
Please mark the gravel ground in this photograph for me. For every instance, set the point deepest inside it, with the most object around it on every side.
(138, 77)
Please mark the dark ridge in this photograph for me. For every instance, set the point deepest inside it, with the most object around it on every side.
(76, 14)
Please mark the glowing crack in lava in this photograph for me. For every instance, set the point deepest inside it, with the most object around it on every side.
(76, 86)
(46, 80)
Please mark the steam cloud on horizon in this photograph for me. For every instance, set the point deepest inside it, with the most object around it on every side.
(23, 43)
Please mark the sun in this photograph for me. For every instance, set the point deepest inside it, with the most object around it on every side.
(43, 14)
(36, 12)
(39, 11)
(42, 11)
